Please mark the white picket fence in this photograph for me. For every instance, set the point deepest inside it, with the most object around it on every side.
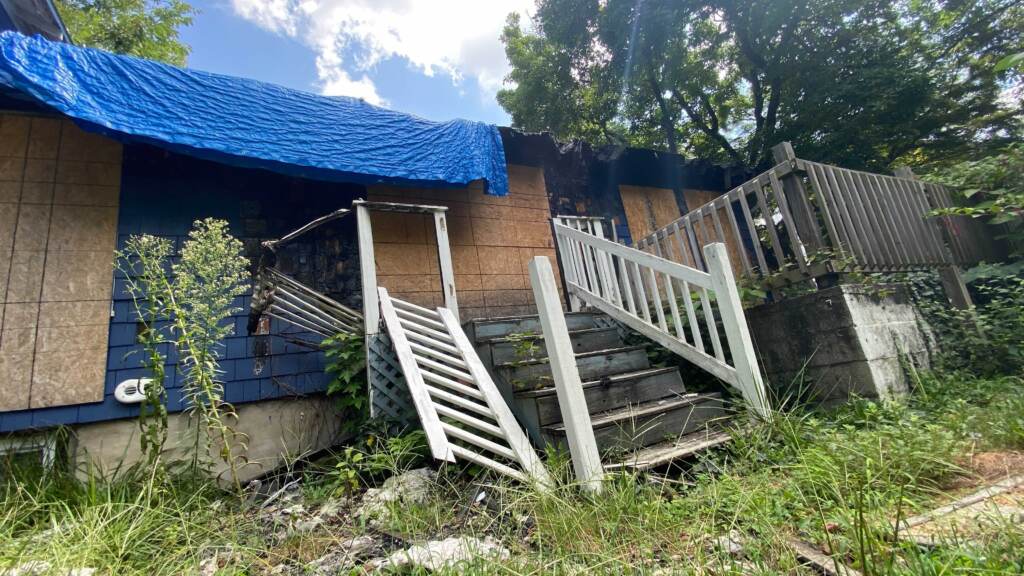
(461, 410)
(668, 302)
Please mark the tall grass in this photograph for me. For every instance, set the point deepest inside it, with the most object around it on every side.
(131, 524)
(837, 479)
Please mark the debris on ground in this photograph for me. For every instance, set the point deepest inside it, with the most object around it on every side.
(440, 554)
(818, 560)
(39, 568)
(973, 517)
(412, 487)
(345, 556)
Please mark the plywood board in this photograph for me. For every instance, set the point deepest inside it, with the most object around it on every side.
(648, 209)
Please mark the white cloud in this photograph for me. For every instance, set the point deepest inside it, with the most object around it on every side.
(459, 38)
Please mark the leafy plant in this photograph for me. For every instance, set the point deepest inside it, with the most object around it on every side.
(524, 345)
(189, 308)
(990, 187)
(345, 476)
(142, 263)
(346, 368)
(988, 339)
(384, 456)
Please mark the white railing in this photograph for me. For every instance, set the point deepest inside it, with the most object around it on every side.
(462, 412)
(670, 303)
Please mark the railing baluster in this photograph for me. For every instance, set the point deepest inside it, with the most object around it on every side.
(748, 264)
(767, 216)
(709, 317)
(670, 292)
(645, 308)
(852, 234)
(833, 223)
(656, 298)
(752, 229)
(694, 244)
(626, 288)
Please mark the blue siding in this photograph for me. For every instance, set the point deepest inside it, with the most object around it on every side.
(165, 200)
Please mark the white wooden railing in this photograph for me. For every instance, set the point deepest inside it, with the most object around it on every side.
(461, 410)
(670, 303)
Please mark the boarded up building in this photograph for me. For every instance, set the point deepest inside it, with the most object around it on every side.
(72, 191)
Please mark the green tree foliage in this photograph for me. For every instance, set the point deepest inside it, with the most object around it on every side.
(144, 28)
(991, 187)
(859, 82)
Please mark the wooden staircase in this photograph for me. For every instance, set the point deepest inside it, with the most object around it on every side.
(642, 415)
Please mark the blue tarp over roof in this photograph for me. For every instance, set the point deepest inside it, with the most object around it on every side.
(250, 123)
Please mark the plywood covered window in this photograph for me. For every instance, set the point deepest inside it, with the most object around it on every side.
(59, 191)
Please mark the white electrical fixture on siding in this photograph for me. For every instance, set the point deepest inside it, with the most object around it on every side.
(132, 391)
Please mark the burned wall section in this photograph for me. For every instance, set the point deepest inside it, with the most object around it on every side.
(585, 180)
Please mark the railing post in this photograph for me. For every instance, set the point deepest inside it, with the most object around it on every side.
(573, 404)
(730, 307)
(951, 276)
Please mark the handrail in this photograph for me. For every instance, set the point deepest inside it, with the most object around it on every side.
(627, 284)
(802, 219)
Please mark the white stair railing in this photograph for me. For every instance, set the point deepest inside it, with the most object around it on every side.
(633, 286)
(461, 410)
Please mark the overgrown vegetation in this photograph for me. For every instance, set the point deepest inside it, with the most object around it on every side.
(346, 373)
(836, 479)
(993, 188)
(186, 303)
(988, 339)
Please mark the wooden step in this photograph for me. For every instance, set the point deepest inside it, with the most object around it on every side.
(627, 429)
(500, 327)
(534, 374)
(608, 393)
(512, 349)
(663, 453)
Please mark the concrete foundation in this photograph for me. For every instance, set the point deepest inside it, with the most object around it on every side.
(842, 341)
(279, 432)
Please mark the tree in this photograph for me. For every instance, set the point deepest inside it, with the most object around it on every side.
(857, 82)
(144, 28)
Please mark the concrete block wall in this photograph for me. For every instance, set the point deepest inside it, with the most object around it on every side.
(59, 191)
(492, 239)
(846, 340)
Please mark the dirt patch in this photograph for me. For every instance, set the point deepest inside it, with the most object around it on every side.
(988, 467)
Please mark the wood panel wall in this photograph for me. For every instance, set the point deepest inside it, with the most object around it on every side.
(59, 191)
(492, 239)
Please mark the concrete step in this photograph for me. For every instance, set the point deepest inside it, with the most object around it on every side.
(607, 393)
(512, 348)
(500, 327)
(632, 427)
(681, 448)
(535, 374)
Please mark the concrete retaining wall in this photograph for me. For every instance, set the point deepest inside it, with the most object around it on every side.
(842, 341)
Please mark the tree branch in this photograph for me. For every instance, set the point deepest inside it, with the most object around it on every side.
(703, 126)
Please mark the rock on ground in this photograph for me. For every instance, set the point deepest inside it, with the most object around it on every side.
(439, 554)
(412, 487)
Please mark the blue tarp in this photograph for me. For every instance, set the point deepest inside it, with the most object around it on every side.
(249, 123)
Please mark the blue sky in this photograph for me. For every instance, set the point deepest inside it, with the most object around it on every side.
(381, 50)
